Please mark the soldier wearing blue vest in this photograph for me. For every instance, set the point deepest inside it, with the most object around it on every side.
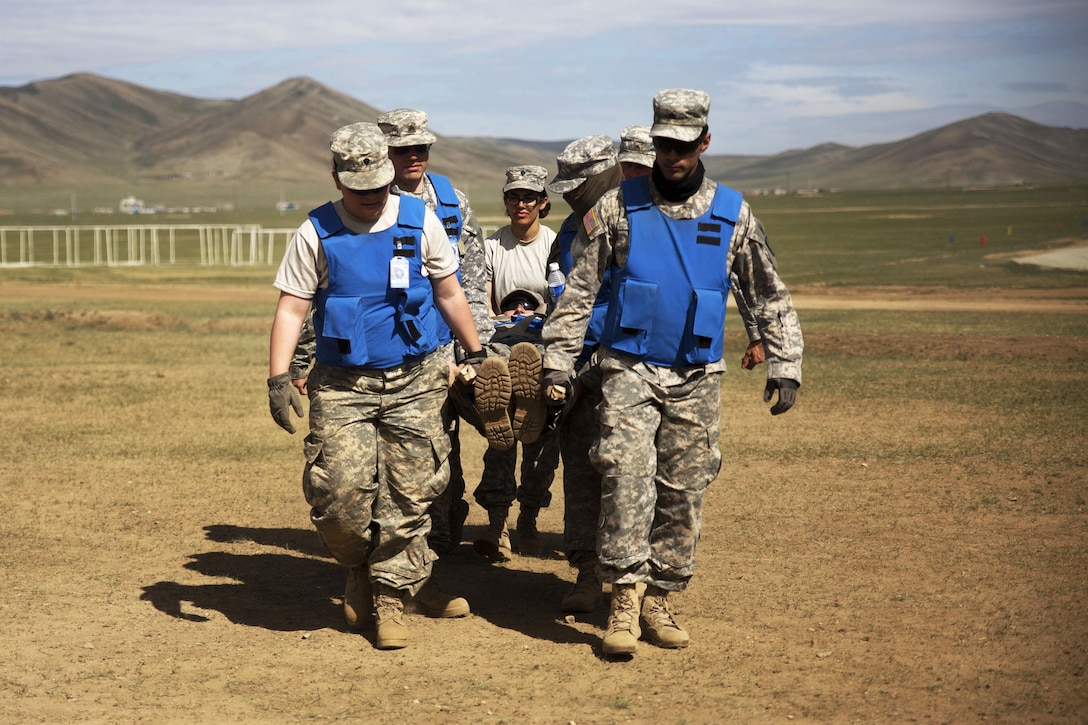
(588, 168)
(380, 274)
(410, 142)
(671, 243)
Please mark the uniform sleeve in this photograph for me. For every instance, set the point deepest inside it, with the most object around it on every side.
(753, 268)
(473, 270)
(565, 328)
(298, 274)
(438, 259)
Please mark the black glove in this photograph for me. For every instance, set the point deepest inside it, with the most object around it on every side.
(557, 387)
(475, 359)
(787, 394)
(281, 396)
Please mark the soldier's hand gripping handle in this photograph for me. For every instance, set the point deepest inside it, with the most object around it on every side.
(281, 397)
(787, 394)
(557, 387)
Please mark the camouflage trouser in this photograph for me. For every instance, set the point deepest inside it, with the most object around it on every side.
(578, 430)
(442, 507)
(376, 458)
(538, 461)
(657, 453)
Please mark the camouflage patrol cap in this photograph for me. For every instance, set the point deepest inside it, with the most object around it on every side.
(680, 113)
(360, 157)
(581, 159)
(525, 177)
(405, 127)
(636, 146)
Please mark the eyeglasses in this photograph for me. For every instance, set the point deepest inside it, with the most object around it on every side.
(529, 201)
(664, 145)
(417, 150)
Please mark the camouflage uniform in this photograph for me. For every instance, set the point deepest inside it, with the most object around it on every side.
(470, 247)
(657, 449)
(350, 449)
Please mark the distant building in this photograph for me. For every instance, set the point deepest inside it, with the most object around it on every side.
(131, 205)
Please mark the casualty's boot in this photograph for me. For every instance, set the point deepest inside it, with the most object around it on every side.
(660, 627)
(586, 595)
(527, 390)
(358, 598)
(434, 602)
(389, 614)
(492, 395)
(529, 543)
(495, 542)
(621, 637)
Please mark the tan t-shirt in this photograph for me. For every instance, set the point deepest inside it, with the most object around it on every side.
(304, 269)
(513, 264)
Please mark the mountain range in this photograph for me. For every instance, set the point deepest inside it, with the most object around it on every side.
(94, 132)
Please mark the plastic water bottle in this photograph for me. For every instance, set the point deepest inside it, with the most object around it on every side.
(556, 282)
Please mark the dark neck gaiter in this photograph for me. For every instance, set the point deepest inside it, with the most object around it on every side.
(681, 190)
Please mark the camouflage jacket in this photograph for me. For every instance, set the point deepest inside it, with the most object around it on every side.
(752, 271)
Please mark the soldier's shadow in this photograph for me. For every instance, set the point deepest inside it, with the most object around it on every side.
(300, 588)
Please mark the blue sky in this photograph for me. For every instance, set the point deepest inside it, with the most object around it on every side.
(782, 74)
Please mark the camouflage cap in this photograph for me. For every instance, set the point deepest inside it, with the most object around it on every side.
(636, 146)
(360, 157)
(525, 177)
(581, 159)
(405, 127)
(680, 113)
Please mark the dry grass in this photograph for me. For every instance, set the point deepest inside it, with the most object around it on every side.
(908, 544)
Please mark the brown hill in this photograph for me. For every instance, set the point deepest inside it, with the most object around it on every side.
(995, 149)
(83, 128)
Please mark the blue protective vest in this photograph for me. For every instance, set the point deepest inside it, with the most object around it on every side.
(359, 319)
(449, 213)
(668, 303)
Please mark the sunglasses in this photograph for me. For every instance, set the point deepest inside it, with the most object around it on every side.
(666, 145)
(417, 150)
(529, 200)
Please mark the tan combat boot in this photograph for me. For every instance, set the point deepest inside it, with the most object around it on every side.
(434, 602)
(661, 629)
(492, 395)
(586, 595)
(621, 637)
(495, 543)
(358, 598)
(389, 614)
(527, 391)
(529, 543)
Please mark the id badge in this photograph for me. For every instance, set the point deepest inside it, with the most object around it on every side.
(398, 273)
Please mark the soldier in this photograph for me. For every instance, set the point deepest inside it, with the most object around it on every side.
(587, 169)
(508, 392)
(378, 270)
(410, 143)
(670, 243)
(636, 151)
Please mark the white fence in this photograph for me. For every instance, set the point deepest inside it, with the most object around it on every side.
(150, 244)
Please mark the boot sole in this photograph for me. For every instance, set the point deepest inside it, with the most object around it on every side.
(530, 411)
(492, 390)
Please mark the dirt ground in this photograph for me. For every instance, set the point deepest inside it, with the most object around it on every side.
(831, 587)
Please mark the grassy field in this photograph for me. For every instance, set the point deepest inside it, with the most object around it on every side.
(908, 544)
